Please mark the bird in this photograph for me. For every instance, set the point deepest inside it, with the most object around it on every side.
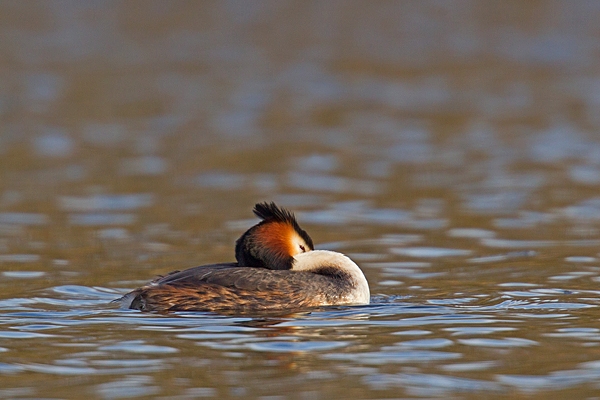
(276, 269)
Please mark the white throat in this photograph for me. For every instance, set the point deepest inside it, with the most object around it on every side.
(317, 259)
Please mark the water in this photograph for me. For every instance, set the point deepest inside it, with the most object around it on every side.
(450, 149)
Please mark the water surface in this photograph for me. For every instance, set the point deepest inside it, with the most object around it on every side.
(451, 149)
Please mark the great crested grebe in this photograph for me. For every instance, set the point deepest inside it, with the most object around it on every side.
(276, 269)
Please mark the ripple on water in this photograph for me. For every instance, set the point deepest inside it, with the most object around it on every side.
(429, 252)
(138, 347)
(124, 363)
(435, 343)
(61, 369)
(220, 180)
(516, 244)
(552, 381)
(359, 212)
(23, 274)
(518, 284)
(524, 220)
(99, 219)
(470, 366)
(478, 330)
(20, 258)
(23, 335)
(390, 282)
(144, 165)
(249, 341)
(129, 387)
(571, 275)
(412, 332)
(502, 257)
(294, 346)
(429, 384)
(394, 357)
(9, 369)
(585, 211)
(21, 218)
(576, 333)
(212, 336)
(471, 233)
(78, 291)
(581, 259)
(498, 343)
(414, 270)
(117, 202)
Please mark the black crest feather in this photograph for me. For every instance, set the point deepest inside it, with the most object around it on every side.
(270, 212)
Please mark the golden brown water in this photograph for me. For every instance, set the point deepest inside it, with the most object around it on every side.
(450, 148)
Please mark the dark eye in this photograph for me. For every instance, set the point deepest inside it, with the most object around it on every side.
(302, 248)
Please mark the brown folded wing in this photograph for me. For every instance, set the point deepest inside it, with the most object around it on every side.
(230, 287)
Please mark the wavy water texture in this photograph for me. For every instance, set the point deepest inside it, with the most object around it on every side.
(451, 149)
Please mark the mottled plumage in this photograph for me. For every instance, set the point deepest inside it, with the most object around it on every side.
(230, 287)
